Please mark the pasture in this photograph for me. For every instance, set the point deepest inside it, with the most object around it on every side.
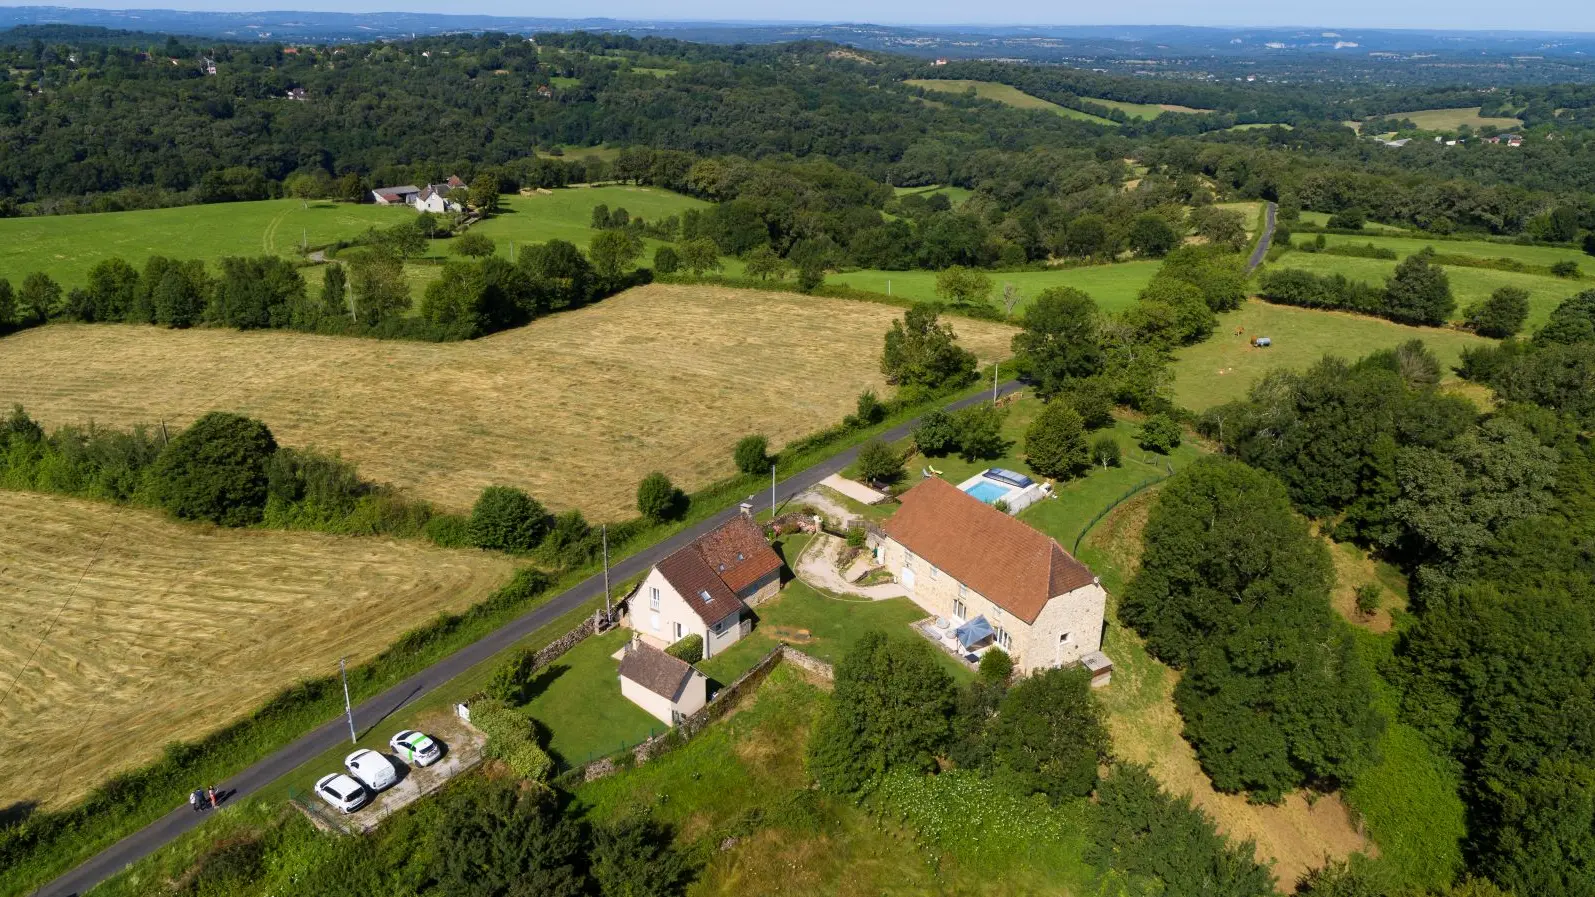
(67, 246)
(1142, 110)
(567, 215)
(1005, 94)
(126, 631)
(1469, 285)
(1225, 367)
(1484, 249)
(1452, 119)
(1321, 219)
(1114, 287)
(576, 407)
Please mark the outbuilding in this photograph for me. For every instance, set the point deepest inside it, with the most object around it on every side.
(667, 687)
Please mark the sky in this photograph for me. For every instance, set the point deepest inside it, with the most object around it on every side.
(1542, 15)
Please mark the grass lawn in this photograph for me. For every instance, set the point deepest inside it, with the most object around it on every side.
(1469, 285)
(1484, 249)
(1114, 287)
(1451, 119)
(1226, 366)
(67, 246)
(1142, 110)
(579, 703)
(1005, 94)
(567, 215)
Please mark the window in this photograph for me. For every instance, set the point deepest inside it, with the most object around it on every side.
(720, 628)
(1063, 639)
(707, 598)
(963, 590)
(934, 572)
(1003, 641)
(680, 633)
(653, 599)
(959, 610)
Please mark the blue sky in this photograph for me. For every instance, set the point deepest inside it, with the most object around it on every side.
(1546, 15)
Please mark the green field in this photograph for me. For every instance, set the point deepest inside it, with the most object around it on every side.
(1258, 126)
(567, 215)
(1142, 110)
(1005, 94)
(1484, 249)
(1469, 285)
(1321, 219)
(1451, 119)
(1114, 287)
(67, 246)
(1251, 212)
(955, 195)
(1225, 367)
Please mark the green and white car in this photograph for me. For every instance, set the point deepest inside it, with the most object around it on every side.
(416, 748)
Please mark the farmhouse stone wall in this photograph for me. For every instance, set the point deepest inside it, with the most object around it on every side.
(555, 649)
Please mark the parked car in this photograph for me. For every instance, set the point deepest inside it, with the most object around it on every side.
(416, 748)
(374, 771)
(342, 792)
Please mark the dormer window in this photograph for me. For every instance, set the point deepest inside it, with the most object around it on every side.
(722, 568)
(705, 596)
(740, 558)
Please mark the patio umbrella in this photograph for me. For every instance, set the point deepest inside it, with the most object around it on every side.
(972, 632)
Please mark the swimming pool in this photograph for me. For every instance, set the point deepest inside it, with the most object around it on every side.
(987, 491)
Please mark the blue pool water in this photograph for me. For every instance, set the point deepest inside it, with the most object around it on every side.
(987, 492)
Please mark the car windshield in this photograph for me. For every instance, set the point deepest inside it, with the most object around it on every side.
(333, 790)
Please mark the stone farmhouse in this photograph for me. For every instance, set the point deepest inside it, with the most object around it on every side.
(706, 589)
(994, 579)
(431, 198)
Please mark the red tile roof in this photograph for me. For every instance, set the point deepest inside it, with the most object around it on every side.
(1018, 568)
(709, 572)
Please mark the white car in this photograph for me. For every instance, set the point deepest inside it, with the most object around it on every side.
(416, 748)
(374, 771)
(342, 792)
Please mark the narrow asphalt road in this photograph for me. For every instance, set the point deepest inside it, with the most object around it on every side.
(1267, 240)
(163, 831)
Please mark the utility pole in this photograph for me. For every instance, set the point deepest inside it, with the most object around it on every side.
(772, 492)
(994, 366)
(605, 530)
(348, 709)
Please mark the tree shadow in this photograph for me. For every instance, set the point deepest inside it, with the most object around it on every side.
(543, 679)
(17, 813)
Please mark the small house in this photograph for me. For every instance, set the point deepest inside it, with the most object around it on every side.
(434, 198)
(667, 687)
(706, 589)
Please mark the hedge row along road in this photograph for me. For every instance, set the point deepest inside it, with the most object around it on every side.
(163, 831)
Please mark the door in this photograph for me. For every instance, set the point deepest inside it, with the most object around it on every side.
(907, 577)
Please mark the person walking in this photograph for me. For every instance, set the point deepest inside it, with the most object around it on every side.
(194, 798)
(211, 793)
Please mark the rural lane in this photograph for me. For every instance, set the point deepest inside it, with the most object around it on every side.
(1265, 241)
(163, 831)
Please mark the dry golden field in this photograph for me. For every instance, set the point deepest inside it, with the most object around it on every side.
(126, 631)
(576, 408)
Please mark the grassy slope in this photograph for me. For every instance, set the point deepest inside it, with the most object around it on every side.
(1321, 219)
(1142, 110)
(1005, 94)
(1451, 119)
(1225, 367)
(567, 214)
(66, 246)
(1405, 246)
(1114, 287)
(1469, 285)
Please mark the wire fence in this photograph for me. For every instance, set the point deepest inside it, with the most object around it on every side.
(1133, 491)
(321, 815)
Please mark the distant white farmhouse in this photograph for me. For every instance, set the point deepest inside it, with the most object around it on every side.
(431, 198)
(395, 196)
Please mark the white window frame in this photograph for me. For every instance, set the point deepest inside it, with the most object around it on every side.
(1004, 641)
(960, 609)
(653, 598)
(963, 590)
(680, 631)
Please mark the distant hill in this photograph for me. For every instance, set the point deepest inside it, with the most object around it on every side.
(78, 34)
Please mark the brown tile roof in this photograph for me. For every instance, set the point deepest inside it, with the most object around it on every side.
(655, 670)
(1018, 568)
(709, 572)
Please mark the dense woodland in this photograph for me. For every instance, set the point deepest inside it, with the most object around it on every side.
(1487, 510)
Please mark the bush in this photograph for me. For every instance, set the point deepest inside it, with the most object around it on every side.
(512, 680)
(878, 462)
(1055, 444)
(856, 537)
(995, 666)
(689, 649)
(1348, 219)
(449, 531)
(658, 499)
(1105, 451)
(510, 739)
(1502, 315)
(216, 470)
(868, 412)
(474, 245)
(1567, 268)
(752, 454)
(507, 519)
(935, 435)
(667, 260)
(1367, 599)
(1159, 433)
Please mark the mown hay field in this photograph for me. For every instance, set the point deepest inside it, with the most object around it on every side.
(125, 631)
(1006, 94)
(1143, 110)
(576, 408)
(1451, 119)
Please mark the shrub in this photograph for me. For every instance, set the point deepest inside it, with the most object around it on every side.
(752, 454)
(996, 665)
(935, 434)
(689, 649)
(1055, 444)
(1367, 599)
(1002, 505)
(856, 537)
(570, 540)
(667, 260)
(869, 411)
(1348, 219)
(507, 519)
(474, 245)
(449, 531)
(1567, 268)
(877, 461)
(1502, 315)
(510, 739)
(216, 470)
(512, 680)
(1159, 433)
(658, 499)
(1105, 451)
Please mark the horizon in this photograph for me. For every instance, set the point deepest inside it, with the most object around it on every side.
(1401, 15)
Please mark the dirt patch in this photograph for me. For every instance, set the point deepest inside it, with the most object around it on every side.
(1354, 568)
(789, 635)
(576, 408)
(128, 631)
(1296, 835)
